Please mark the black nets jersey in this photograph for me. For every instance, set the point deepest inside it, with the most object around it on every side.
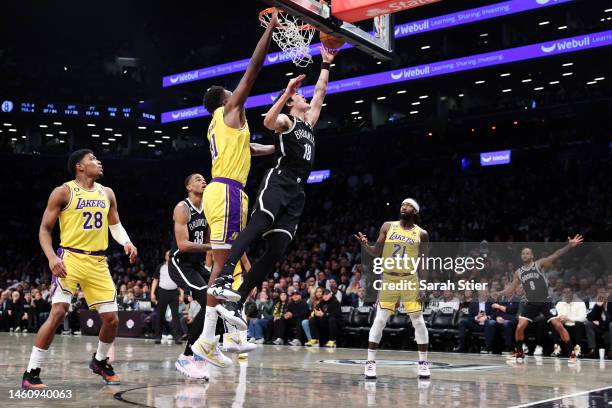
(295, 149)
(534, 284)
(196, 226)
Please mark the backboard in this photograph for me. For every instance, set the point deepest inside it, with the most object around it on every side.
(378, 43)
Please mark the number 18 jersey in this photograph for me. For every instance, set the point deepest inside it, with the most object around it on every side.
(84, 220)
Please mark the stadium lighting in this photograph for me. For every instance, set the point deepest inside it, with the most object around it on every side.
(143, 142)
(158, 141)
(378, 62)
(479, 82)
(359, 117)
(166, 137)
(23, 137)
(506, 90)
(506, 74)
(14, 139)
(151, 145)
(553, 82)
(49, 134)
(355, 113)
(185, 127)
(381, 98)
(43, 126)
(461, 95)
(423, 96)
(414, 112)
(403, 91)
(57, 123)
(591, 82)
(7, 124)
(118, 134)
(568, 64)
(63, 132)
(542, 23)
(108, 129)
(95, 135)
(289, 74)
(561, 27)
(539, 88)
(359, 101)
(484, 34)
(12, 130)
(61, 141)
(526, 80)
(425, 47)
(600, 79)
(567, 74)
(91, 125)
(415, 103)
(157, 131)
(105, 143)
(111, 139)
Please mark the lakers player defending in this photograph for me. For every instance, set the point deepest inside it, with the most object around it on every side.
(225, 202)
(399, 239)
(86, 211)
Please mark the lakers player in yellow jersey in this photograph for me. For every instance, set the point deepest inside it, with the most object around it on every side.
(86, 211)
(225, 202)
(403, 240)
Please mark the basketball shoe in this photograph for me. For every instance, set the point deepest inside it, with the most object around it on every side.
(370, 370)
(236, 343)
(423, 370)
(210, 352)
(31, 380)
(192, 367)
(222, 289)
(104, 369)
(231, 312)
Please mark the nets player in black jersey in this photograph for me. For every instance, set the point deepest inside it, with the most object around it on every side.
(186, 266)
(280, 200)
(535, 285)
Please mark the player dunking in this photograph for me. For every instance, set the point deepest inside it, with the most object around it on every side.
(403, 238)
(280, 200)
(86, 211)
(225, 203)
(186, 266)
(535, 285)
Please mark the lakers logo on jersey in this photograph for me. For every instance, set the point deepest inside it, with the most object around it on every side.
(402, 243)
(84, 220)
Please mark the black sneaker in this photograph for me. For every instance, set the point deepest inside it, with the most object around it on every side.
(222, 289)
(486, 350)
(31, 380)
(231, 312)
(105, 370)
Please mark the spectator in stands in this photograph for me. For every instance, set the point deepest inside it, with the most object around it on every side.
(503, 316)
(278, 317)
(355, 284)
(333, 287)
(140, 295)
(42, 308)
(4, 303)
(130, 302)
(313, 302)
(28, 309)
(359, 298)
(479, 313)
(327, 316)
(572, 313)
(297, 310)
(449, 302)
(600, 322)
(259, 325)
(18, 318)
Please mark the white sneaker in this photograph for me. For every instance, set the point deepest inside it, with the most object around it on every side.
(538, 351)
(191, 368)
(279, 342)
(17, 329)
(370, 370)
(210, 352)
(525, 348)
(259, 341)
(235, 343)
(423, 370)
(222, 289)
(25, 331)
(295, 342)
(556, 351)
(232, 315)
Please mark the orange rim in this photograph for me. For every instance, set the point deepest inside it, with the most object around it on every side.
(271, 10)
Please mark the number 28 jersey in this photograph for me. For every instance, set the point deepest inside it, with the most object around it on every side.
(196, 226)
(295, 149)
(84, 220)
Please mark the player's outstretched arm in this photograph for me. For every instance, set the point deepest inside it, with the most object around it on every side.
(320, 91)
(377, 248)
(181, 232)
(547, 262)
(117, 231)
(262, 150)
(242, 91)
(511, 288)
(57, 200)
(275, 120)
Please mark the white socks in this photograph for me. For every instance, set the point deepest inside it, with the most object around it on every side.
(371, 355)
(422, 356)
(210, 324)
(103, 349)
(36, 358)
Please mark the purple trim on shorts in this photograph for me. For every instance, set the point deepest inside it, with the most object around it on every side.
(228, 181)
(54, 281)
(80, 251)
(234, 215)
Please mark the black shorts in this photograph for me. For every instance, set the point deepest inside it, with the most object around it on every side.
(188, 277)
(531, 310)
(281, 196)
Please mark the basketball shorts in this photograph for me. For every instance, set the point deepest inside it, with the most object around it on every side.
(91, 273)
(390, 298)
(531, 310)
(187, 276)
(225, 207)
(281, 197)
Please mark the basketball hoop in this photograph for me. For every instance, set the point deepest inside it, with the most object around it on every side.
(291, 34)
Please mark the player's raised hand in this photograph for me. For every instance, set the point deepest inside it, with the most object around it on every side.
(328, 55)
(361, 238)
(294, 84)
(574, 242)
(131, 251)
(57, 267)
(274, 19)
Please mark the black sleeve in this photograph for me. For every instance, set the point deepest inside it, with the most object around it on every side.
(333, 309)
(156, 273)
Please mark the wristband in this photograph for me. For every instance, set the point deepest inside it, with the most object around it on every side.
(325, 65)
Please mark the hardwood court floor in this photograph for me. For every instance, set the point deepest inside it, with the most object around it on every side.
(284, 376)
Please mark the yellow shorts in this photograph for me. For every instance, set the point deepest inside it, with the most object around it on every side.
(390, 298)
(225, 208)
(91, 273)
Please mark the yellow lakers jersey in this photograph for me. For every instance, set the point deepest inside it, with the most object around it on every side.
(402, 243)
(229, 148)
(84, 220)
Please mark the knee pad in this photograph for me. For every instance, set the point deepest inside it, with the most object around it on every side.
(380, 321)
(421, 335)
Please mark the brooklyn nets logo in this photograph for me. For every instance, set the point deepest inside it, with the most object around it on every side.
(408, 363)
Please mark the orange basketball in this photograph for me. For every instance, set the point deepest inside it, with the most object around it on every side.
(329, 41)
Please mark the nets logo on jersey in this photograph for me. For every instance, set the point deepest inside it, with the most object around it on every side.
(304, 134)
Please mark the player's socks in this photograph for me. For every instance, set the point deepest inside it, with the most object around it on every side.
(371, 355)
(37, 357)
(210, 324)
(422, 356)
(103, 349)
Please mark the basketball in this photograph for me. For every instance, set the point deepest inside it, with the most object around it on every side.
(329, 41)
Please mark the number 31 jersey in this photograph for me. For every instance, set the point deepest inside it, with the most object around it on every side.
(84, 220)
(295, 149)
(196, 226)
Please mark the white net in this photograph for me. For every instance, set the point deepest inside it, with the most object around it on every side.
(292, 35)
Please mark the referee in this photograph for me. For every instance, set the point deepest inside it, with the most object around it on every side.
(168, 293)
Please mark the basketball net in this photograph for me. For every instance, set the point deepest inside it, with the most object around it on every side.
(292, 35)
